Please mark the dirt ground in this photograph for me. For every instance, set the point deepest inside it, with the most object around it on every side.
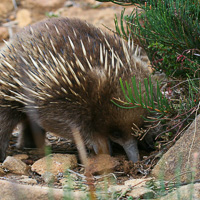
(123, 170)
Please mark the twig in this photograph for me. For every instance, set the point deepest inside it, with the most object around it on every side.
(78, 174)
(181, 122)
(95, 177)
(178, 176)
(14, 4)
(182, 82)
(10, 25)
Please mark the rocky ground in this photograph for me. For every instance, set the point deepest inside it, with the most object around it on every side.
(63, 169)
(28, 174)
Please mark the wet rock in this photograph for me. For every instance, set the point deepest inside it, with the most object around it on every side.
(102, 163)
(15, 165)
(182, 157)
(54, 163)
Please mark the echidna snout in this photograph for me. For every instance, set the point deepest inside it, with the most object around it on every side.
(61, 74)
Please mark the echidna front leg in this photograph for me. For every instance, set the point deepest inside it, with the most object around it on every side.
(31, 135)
(101, 145)
(9, 118)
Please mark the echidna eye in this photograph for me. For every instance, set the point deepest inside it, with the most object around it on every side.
(116, 134)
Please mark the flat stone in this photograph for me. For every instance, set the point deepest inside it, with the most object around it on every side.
(102, 163)
(15, 165)
(9, 191)
(55, 163)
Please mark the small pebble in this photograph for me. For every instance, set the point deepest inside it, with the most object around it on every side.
(48, 177)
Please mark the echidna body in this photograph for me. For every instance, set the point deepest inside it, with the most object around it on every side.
(61, 74)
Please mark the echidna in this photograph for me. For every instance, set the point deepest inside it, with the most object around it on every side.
(61, 74)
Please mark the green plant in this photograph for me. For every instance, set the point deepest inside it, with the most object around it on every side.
(168, 31)
(135, 98)
(51, 14)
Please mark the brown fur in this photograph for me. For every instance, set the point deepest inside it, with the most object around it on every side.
(87, 106)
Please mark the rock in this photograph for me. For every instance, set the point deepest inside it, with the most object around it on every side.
(41, 8)
(72, 181)
(44, 4)
(48, 177)
(141, 192)
(99, 17)
(9, 191)
(70, 184)
(63, 181)
(118, 188)
(137, 182)
(134, 188)
(2, 173)
(15, 165)
(23, 18)
(102, 163)
(69, 4)
(182, 157)
(6, 6)
(185, 192)
(54, 163)
(28, 181)
(21, 156)
(28, 161)
(3, 33)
